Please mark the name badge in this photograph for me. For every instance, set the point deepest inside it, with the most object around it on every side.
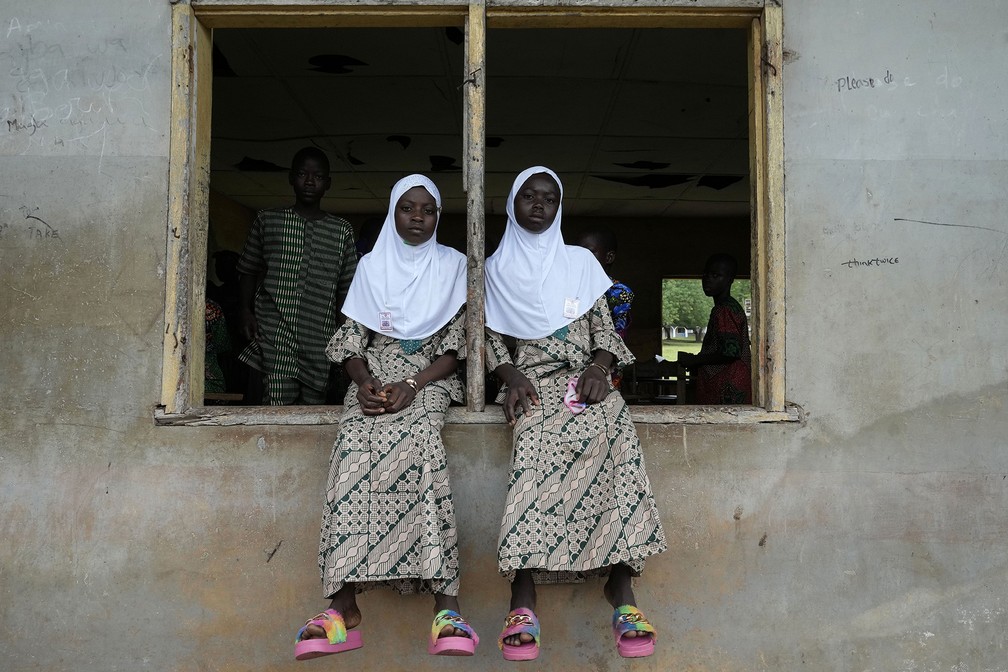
(571, 308)
(384, 320)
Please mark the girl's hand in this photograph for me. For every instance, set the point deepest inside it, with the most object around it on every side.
(521, 392)
(371, 396)
(593, 385)
(398, 396)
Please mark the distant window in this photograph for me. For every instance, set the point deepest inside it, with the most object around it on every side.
(685, 310)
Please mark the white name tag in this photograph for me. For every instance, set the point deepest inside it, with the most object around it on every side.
(384, 320)
(571, 308)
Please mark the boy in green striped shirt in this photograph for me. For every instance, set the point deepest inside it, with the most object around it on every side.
(295, 271)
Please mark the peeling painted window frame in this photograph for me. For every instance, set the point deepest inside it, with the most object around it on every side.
(189, 173)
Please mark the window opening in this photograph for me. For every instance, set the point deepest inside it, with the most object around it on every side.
(380, 103)
(191, 245)
(653, 152)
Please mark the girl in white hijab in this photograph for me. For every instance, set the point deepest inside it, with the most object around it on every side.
(406, 288)
(534, 283)
(389, 517)
(579, 502)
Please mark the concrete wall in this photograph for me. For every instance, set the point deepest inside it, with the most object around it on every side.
(868, 537)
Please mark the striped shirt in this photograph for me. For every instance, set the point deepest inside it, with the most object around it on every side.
(306, 268)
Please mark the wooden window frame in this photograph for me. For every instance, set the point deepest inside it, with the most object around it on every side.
(189, 176)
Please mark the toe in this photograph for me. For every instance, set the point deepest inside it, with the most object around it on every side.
(314, 632)
(452, 631)
(519, 639)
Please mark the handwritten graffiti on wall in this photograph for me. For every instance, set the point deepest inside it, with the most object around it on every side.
(861, 83)
(32, 227)
(38, 228)
(870, 263)
(876, 262)
(65, 96)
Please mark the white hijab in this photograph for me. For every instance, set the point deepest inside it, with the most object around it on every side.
(534, 283)
(418, 287)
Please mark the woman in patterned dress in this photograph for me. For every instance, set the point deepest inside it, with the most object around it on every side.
(389, 518)
(579, 502)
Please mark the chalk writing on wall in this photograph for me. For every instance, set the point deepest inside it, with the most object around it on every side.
(65, 96)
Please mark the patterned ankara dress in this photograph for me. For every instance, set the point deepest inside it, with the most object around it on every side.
(578, 498)
(727, 334)
(389, 518)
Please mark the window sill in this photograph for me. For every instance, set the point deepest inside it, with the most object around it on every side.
(226, 416)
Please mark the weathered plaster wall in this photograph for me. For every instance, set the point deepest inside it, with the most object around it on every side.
(870, 537)
(898, 561)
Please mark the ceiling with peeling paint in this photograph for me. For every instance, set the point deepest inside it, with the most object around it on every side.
(637, 122)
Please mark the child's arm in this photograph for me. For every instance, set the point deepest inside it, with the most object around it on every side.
(593, 383)
(520, 388)
(247, 325)
(251, 270)
(701, 359)
(401, 394)
(607, 348)
(369, 389)
(520, 391)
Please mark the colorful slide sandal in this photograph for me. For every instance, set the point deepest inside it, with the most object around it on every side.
(517, 622)
(337, 639)
(629, 618)
(451, 646)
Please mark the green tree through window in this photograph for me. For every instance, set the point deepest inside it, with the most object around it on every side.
(685, 305)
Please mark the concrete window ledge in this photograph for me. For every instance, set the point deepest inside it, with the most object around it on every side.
(225, 416)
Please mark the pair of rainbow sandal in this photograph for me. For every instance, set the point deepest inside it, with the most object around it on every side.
(625, 619)
(338, 639)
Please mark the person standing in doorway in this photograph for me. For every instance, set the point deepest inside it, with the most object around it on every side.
(296, 268)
